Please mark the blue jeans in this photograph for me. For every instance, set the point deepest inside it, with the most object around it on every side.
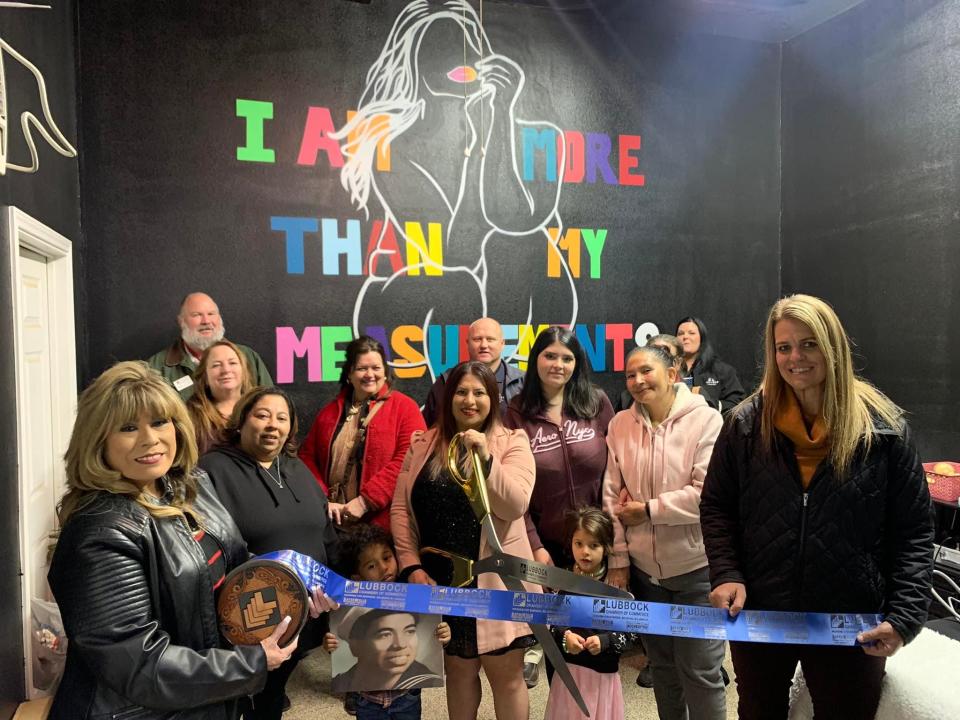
(405, 707)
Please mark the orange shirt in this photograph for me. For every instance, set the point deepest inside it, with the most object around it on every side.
(811, 446)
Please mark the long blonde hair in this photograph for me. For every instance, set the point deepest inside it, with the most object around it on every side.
(120, 395)
(210, 425)
(850, 404)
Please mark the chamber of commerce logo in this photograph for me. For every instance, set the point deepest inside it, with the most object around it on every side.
(599, 606)
(837, 622)
(260, 608)
(676, 612)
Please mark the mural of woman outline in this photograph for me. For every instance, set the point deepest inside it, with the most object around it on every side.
(445, 104)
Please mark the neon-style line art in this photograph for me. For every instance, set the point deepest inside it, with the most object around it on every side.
(445, 103)
(53, 135)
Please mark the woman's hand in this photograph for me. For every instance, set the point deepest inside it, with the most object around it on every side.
(502, 76)
(618, 577)
(330, 642)
(320, 602)
(541, 555)
(729, 596)
(420, 577)
(443, 633)
(882, 641)
(573, 642)
(277, 655)
(592, 645)
(628, 511)
(354, 510)
(632, 512)
(474, 440)
(335, 512)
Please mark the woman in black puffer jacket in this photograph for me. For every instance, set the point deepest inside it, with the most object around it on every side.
(703, 371)
(815, 500)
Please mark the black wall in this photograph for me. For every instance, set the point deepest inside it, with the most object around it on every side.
(871, 196)
(46, 38)
(168, 208)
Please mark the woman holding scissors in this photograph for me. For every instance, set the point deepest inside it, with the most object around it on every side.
(430, 508)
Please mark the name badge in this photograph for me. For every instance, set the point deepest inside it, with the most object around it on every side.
(183, 383)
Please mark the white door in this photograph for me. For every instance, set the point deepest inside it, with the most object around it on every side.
(39, 464)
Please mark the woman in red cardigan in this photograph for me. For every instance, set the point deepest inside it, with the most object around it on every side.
(359, 439)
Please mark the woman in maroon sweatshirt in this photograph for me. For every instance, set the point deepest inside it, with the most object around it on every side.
(566, 418)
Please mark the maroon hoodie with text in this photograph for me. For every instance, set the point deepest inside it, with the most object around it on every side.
(571, 459)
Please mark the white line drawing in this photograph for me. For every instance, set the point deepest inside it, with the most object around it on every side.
(53, 135)
(442, 87)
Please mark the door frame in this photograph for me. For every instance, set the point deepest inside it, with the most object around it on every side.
(22, 230)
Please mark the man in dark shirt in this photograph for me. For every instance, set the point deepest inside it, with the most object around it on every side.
(484, 344)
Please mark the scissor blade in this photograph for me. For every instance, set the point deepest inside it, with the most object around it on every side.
(551, 650)
(546, 575)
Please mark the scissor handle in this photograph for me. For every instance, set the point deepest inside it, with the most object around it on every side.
(462, 566)
(475, 487)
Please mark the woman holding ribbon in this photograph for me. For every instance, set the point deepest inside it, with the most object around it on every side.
(221, 378)
(431, 509)
(358, 441)
(275, 502)
(816, 501)
(658, 454)
(143, 545)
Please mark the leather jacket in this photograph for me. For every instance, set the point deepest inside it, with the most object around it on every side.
(138, 610)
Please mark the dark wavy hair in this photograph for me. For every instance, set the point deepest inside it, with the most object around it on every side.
(706, 355)
(446, 422)
(580, 398)
(242, 410)
(361, 346)
(591, 520)
(355, 541)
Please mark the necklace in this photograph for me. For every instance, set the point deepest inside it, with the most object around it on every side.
(596, 574)
(277, 478)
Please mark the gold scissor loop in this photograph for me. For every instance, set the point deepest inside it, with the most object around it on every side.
(475, 486)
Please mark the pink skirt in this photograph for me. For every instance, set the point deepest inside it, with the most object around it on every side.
(602, 693)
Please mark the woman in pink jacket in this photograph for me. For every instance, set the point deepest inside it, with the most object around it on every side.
(659, 450)
(430, 509)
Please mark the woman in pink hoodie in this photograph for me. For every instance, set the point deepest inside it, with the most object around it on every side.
(658, 454)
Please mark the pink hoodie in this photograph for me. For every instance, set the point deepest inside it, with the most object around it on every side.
(664, 468)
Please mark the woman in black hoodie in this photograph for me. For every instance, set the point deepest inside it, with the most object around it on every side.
(276, 503)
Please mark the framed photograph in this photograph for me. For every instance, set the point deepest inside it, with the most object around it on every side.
(385, 650)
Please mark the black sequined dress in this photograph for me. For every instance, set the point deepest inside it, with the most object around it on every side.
(446, 521)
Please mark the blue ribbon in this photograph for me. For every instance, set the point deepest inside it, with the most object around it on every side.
(639, 616)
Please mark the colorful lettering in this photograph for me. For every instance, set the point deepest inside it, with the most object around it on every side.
(628, 162)
(594, 240)
(289, 346)
(254, 112)
(334, 246)
(426, 253)
(545, 140)
(316, 137)
(293, 229)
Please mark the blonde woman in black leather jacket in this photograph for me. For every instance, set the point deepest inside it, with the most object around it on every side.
(129, 574)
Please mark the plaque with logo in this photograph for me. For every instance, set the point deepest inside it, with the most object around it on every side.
(255, 598)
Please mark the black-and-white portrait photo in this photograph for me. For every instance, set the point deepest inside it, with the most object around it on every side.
(385, 650)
